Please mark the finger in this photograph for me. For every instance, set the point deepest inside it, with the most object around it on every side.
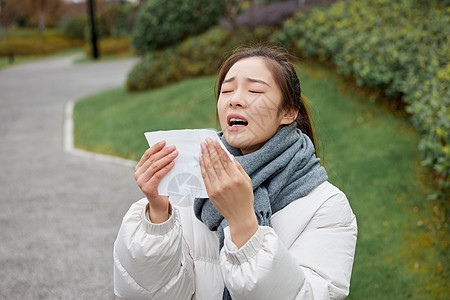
(146, 172)
(225, 159)
(159, 175)
(150, 188)
(158, 165)
(239, 167)
(155, 157)
(150, 151)
(204, 172)
(214, 157)
(210, 172)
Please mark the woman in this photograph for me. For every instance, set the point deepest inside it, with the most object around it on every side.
(273, 227)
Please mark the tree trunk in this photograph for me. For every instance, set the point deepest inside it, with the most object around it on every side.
(41, 23)
(41, 16)
(91, 13)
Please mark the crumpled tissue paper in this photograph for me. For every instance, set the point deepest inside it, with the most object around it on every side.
(184, 182)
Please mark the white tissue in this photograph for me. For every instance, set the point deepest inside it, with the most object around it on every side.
(185, 179)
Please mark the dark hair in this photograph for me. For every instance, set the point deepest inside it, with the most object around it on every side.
(286, 78)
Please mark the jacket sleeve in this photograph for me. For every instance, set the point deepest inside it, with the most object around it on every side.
(151, 261)
(317, 265)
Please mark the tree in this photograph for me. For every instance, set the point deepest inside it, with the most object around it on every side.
(31, 13)
(7, 17)
(110, 12)
(10, 11)
(44, 12)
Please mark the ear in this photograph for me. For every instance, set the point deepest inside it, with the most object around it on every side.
(289, 116)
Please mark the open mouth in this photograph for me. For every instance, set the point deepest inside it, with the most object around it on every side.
(237, 122)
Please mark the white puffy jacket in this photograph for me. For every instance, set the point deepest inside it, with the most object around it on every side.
(308, 254)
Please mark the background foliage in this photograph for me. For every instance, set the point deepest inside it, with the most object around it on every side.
(74, 26)
(163, 23)
(48, 26)
(196, 56)
(29, 42)
(399, 47)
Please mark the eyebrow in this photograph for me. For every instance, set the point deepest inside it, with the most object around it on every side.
(248, 79)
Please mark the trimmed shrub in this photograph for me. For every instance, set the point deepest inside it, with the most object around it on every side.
(36, 45)
(400, 47)
(196, 56)
(162, 23)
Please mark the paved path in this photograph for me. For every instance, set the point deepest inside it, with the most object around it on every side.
(59, 213)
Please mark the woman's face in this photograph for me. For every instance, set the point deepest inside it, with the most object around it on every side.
(248, 105)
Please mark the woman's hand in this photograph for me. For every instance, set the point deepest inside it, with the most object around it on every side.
(230, 190)
(156, 162)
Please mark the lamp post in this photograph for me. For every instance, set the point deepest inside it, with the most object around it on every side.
(91, 11)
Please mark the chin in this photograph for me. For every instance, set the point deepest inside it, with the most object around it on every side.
(241, 140)
(236, 139)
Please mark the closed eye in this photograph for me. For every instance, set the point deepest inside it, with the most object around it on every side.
(226, 91)
(256, 92)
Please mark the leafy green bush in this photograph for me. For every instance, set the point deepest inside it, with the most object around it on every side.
(78, 27)
(162, 23)
(118, 19)
(74, 27)
(401, 47)
(196, 56)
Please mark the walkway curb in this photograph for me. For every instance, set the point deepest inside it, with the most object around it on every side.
(69, 147)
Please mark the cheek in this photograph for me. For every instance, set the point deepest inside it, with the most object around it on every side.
(220, 110)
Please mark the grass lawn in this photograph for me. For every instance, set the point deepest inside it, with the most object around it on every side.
(370, 153)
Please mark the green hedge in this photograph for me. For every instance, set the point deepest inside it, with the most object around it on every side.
(35, 45)
(162, 23)
(196, 56)
(110, 46)
(401, 47)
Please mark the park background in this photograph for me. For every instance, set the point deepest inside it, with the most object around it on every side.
(376, 73)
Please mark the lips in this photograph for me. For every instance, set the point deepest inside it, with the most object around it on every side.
(236, 120)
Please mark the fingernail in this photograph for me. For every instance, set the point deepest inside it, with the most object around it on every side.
(208, 140)
(160, 143)
(170, 148)
(174, 153)
(202, 145)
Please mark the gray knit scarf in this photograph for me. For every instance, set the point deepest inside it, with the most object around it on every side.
(284, 169)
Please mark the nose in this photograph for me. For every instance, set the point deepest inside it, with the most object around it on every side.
(237, 100)
(236, 103)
